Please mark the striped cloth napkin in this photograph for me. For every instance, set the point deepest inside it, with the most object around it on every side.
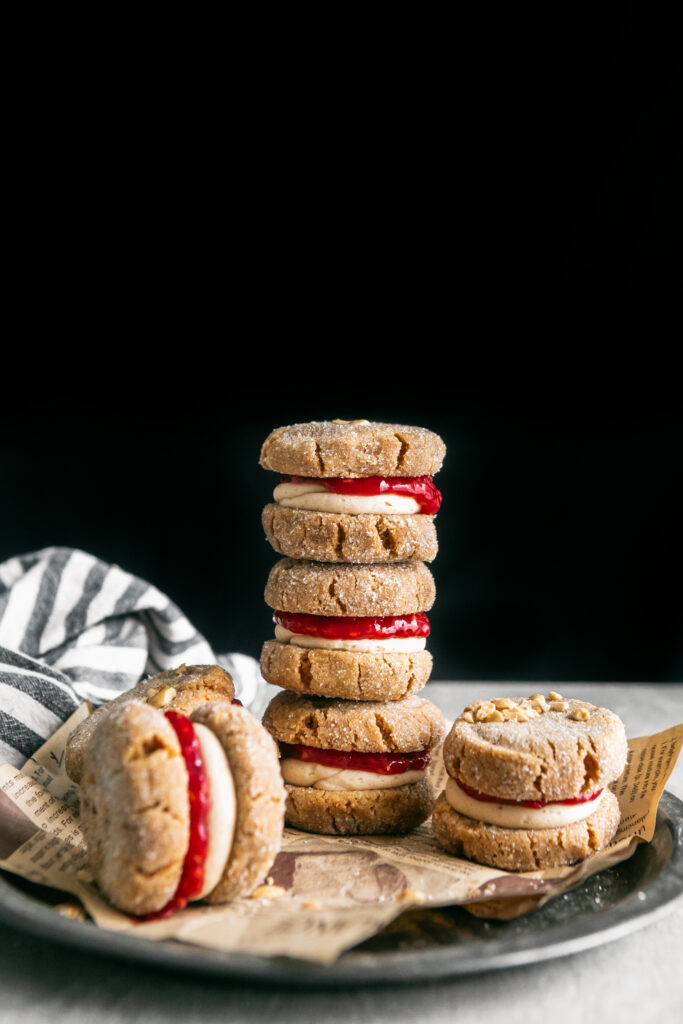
(73, 628)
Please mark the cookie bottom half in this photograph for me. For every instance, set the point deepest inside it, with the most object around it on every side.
(520, 849)
(338, 537)
(359, 812)
(349, 675)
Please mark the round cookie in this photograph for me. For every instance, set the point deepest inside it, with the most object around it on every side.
(322, 588)
(352, 449)
(519, 849)
(358, 813)
(347, 674)
(524, 775)
(404, 726)
(335, 537)
(135, 806)
(253, 760)
(370, 727)
(556, 754)
(181, 689)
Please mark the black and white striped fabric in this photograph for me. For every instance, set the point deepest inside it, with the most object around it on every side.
(73, 628)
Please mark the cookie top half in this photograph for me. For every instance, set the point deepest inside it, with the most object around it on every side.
(539, 747)
(340, 448)
(326, 588)
(365, 726)
(135, 810)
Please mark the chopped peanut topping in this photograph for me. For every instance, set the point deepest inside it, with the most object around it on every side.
(164, 697)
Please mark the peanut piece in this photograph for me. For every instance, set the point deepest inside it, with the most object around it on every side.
(164, 696)
(580, 715)
(494, 716)
(268, 892)
(553, 695)
(559, 705)
(468, 716)
(73, 910)
(413, 895)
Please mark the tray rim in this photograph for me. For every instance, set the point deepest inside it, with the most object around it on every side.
(665, 894)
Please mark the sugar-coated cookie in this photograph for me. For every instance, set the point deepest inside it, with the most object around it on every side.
(357, 632)
(520, 849)
(340, 537)
(180, 689)
(353, 491)
(320, 588)
(177, 809)
(352, 449)
(352, 767)
(528, 782)
(358, 813)
(347, 674)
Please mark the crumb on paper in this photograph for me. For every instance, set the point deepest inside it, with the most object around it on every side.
(413, 896)
(311, 905)
(268, 892)
(73, 910)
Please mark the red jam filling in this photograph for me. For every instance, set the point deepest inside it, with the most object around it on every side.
(355, 627)
(381, 764)
(476, 795)
(192, 875)
(421, 488)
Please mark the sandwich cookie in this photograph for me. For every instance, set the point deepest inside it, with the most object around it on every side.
(180, 689)
(355, 768)
(353, 491)
(177, 809)
(351, 631)
(528, 782)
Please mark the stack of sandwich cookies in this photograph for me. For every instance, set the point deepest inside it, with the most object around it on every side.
(354, 513)
(177, 809)
(353, 491)
(528, 782)
(355, 768)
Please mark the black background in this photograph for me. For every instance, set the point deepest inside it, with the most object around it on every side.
(474, 229)
(559, 532)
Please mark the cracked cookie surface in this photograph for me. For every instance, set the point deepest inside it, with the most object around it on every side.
(346, 674)
(135, 808)
(370, 727)
(552, 757)
(329, 449)
(334, 537)
(519, 849)
(323, 588)
(366, 812)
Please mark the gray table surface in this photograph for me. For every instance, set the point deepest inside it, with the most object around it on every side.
(637, 978)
